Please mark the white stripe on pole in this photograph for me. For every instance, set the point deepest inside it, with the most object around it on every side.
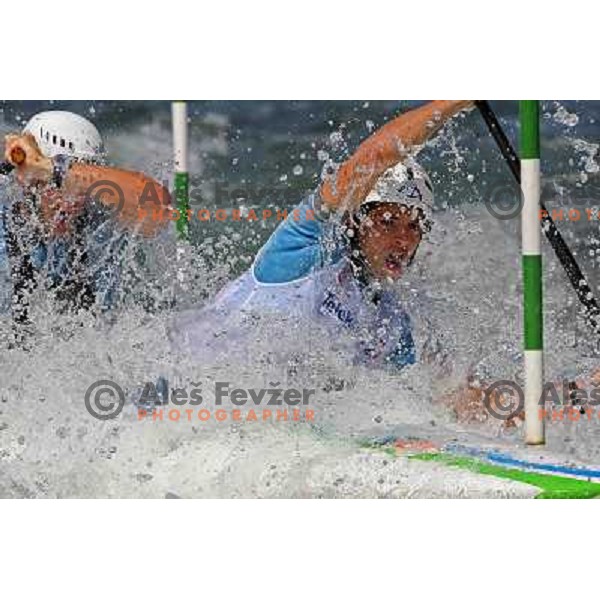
(534, 376)
(180, 136)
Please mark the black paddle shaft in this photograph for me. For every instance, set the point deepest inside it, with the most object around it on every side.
(566, 258)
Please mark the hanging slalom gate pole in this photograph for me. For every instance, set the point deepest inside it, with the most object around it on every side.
(181, 183)
(180, 149)
(532, 269)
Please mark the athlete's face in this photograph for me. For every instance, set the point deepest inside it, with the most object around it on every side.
(388, 238)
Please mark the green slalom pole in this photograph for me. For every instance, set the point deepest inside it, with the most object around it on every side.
(532, 270)
(180, 149)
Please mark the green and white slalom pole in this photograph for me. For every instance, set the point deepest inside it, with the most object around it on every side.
(180, 149)
(532, 270)
(182, 201)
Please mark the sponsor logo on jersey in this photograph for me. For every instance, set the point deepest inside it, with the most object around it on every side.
(331, 305)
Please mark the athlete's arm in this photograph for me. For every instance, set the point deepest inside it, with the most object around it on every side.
(388, 146)
(134, 186)
(38, 169)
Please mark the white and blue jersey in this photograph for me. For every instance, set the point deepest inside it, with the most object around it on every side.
(302, 274)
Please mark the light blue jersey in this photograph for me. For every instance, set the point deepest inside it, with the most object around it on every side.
(303, 275)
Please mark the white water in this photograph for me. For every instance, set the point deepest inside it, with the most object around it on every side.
(51, 447)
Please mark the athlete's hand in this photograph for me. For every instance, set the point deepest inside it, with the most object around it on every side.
(32, 167)
(468, 405)
(589, 380)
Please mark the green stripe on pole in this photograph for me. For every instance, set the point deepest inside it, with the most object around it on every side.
(530, 129)
(532, 297)
(183, 204)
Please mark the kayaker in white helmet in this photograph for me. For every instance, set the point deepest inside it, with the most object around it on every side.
(334, 272)
(327, 271)
(57, 159)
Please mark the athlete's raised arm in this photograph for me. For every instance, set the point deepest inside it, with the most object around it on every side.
(385, 148)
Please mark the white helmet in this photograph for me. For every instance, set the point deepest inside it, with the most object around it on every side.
(406, 183)
(62, 132)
